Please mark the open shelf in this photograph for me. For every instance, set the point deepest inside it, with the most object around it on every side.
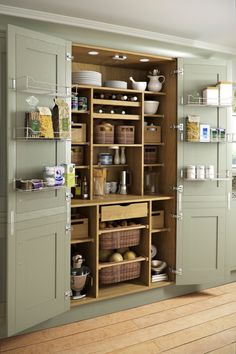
(153, 115)
(153, 164)
(76, 111)
(116, 103)
(120, 145)
(154, 144)
(76, 143)
(109, 166)
(164, 229)
(115, 264)
(82, 167)
(116, 116)
(116, 229)
(85, 240)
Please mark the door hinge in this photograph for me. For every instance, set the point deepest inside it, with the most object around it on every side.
(176, 271)
(68, 196)
(179, 216)
(13, 84)
(179, 127)
(68, 228)
(179, 71)
(179, 188)
(68, 294)
(69, 57)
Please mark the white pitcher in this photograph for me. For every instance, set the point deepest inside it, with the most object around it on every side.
(155, 83)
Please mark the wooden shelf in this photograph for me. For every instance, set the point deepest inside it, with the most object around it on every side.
(153, 164)
(125, 228)
(154, 144)
(82, 167)
(120, 145)
(154, 115)
(119, 289)
(117, 103)
(154, 93)
(110, 89)
(76, 111)
(85, 240)
(161, 284)
(117, 198)
(74, 143)
(114, 264)
(164, 229)
(108, 166)
(116, 116)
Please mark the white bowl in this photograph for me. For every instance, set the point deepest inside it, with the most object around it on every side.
(150, 107)
(156, 263)
(116, 84)
(139, 85)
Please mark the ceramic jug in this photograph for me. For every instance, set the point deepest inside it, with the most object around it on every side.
(155, 82)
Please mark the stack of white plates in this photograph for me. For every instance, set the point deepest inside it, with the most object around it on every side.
(85, 77)
(116, 84)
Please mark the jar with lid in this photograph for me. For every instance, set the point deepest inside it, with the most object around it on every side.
(191, 172)
(200, 172)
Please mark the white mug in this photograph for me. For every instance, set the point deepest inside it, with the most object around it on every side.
(113, 187)
(107, 187)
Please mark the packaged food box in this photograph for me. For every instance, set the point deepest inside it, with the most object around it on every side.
(211, 96)
(192, 128)
(61, 119)
(38, 124)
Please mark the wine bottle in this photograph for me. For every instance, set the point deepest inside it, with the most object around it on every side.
(84, 188)
(134, 98)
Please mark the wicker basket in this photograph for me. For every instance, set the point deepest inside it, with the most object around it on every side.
(118, 273)
(125, 134)
(150, 154)
(119, 239)
(104, 134)
(77, 155)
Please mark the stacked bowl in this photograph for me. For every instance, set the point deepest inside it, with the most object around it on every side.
(85, 77)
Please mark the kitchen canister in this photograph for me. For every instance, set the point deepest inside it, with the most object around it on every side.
(191, 172)
(200, 172)
(210, 172)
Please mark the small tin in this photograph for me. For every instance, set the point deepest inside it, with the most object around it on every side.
(210, 172)
(82, 103)
(200, 172)
(221, 134)
(74, 102)
(191, 172)
(105, 158)
(214, 134)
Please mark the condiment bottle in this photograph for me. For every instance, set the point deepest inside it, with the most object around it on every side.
(84, 188)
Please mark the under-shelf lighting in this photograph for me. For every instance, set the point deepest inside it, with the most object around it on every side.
(93, 52)
(144, 60)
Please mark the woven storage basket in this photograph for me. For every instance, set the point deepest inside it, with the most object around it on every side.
(125, 134)
(77, 155)
(118, 273)
(150, 154)
(104, 134)
(119, 239)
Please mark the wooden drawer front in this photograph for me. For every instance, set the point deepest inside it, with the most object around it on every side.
(116, 212)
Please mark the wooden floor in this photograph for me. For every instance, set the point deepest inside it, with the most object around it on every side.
(202, 322)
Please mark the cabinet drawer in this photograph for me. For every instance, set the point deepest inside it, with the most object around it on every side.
(116, 212)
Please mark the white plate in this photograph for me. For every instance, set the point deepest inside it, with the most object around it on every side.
(153, 251)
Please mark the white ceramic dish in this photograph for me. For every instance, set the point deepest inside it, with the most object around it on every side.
(139, 85)
(159, 269)
(116, 84)
(151, 107)
(153, 251)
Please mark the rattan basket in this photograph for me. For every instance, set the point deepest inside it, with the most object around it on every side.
(118, 273)
(119, 239)
(104, 134)
(125, 134)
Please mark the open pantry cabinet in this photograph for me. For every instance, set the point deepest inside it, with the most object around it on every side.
(46, 229)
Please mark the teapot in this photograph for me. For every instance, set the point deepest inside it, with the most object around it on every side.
(155, 82)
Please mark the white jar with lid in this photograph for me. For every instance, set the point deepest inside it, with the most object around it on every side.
(191, 172)
(210, 172)
(200, 172)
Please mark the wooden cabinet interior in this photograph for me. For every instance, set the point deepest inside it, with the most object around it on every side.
(164, 164)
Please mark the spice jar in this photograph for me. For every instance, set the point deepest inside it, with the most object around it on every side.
(190, 171)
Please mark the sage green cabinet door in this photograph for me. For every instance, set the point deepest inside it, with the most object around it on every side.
(201, 245)
(38, 247)
(39, 273)
(38, 66)
(202, 204)
(196, 76)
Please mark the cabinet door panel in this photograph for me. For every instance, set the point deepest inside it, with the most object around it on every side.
(201, 232)
(201, 246)
(43, 60)
(40, 283)
(38, 248)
